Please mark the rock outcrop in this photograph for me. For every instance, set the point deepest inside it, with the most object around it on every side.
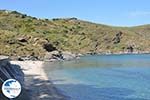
(117, 38)
(60, 56)
(10, 71)
(27, 58)
(49, 47)
(130, 49)
(69, 56)
(21, 39)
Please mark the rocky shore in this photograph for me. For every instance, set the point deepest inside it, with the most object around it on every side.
(117, 53)
(66, 55)
(49, 56)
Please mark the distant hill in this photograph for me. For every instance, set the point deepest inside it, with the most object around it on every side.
(22, 35)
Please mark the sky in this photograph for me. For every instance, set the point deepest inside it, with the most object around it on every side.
(110, 12)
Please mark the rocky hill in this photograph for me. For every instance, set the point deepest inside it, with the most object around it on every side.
(23, 35)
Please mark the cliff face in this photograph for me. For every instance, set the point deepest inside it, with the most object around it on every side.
(10, 71)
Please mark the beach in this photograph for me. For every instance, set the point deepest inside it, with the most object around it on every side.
(38, 86)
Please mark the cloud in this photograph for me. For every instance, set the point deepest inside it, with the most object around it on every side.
(139, 14)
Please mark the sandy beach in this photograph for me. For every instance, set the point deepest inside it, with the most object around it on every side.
(37, 83)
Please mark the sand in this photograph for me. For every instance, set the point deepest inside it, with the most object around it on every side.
(37, 83)
(32, 68)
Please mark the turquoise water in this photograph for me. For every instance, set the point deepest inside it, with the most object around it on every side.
(103, 77)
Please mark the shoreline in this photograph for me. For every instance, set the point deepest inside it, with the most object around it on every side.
(37, 82)
(116, 53)
(54, 56)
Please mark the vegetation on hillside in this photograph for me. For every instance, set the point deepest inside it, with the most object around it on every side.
(22, 35)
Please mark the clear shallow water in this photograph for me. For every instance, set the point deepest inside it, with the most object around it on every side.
(103, 77)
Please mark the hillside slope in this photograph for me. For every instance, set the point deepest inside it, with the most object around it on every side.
(22, 35)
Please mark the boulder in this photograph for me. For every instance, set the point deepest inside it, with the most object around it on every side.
(68, 55)
(53, 56)
(59, 56)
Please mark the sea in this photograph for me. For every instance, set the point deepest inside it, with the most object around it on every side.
(103, 77)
